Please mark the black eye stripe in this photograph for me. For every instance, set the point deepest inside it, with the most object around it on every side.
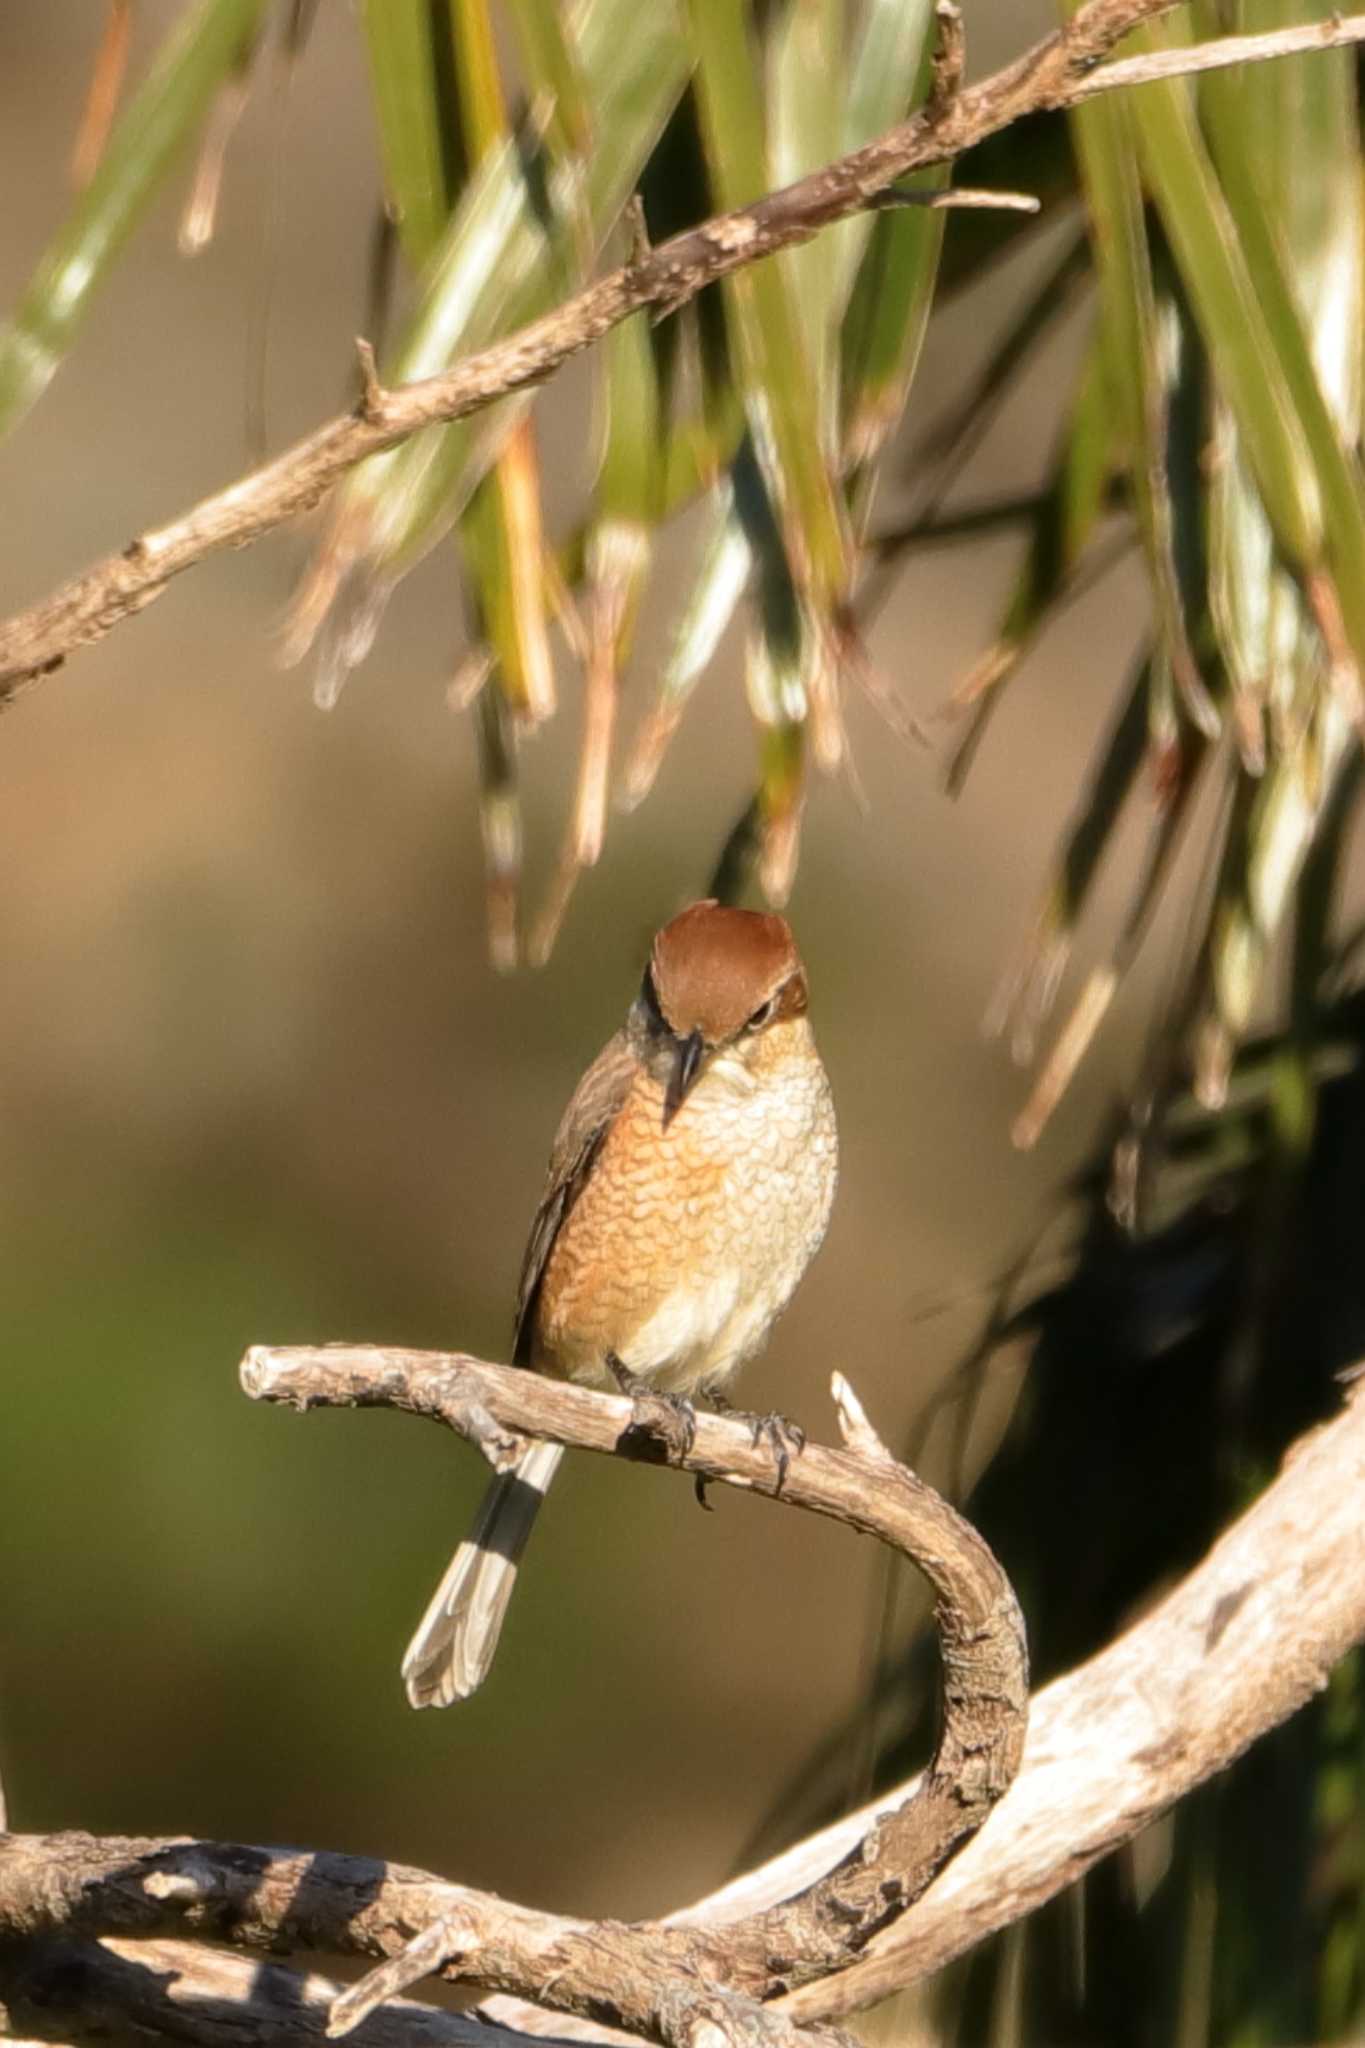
(650, 999)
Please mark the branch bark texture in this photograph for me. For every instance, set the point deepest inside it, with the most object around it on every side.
(695, 1986)
(1059, 71)
(1236, 1648)
(94, 1992)
(1246, 1639)
(985, 1676)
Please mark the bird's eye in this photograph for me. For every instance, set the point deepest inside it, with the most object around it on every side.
(761, 1015)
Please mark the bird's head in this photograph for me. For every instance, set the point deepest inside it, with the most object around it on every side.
(720, 985)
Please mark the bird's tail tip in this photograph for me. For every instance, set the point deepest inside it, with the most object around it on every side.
(449, 1656)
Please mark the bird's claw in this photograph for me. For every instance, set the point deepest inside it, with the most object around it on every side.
(628, 1381)
(670, 1418)
(785, 1439)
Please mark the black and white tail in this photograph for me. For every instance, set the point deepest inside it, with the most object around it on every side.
(449, 1656)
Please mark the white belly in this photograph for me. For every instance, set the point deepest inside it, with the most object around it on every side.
(701, 1336)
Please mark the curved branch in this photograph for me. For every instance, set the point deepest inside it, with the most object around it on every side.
(1057, 72)
(683, 1985)
(1244, 1641)
(1232, 1651)
(981, 1633)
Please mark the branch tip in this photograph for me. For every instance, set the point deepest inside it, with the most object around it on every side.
(183, 1884)
(854, 1427)
(371, 405)
(955, 197)
(424, 1956)
(641, 248)
(949, 61)
(252, 1373)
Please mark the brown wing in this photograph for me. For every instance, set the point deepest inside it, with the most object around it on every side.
(585, 1123)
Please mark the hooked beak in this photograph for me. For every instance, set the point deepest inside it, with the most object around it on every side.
(687, 1054)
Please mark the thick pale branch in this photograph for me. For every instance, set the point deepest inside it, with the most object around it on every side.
(1243, 1642)
(1246, 1639)
(1237, 1647)
(1064, 68)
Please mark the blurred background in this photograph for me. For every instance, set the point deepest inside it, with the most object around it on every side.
(259, 1083)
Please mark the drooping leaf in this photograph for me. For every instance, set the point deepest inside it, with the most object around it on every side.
(1138, 381)
(417, 172)
(146, 141)
(106, 87)
(781, 394)
(890, 258)
(725, 562)
(499, 825)
(1229, 306)
(550, 60)
(1294, 195)
(616, 558)
(496, 267)
(503, 525)
(805, 97)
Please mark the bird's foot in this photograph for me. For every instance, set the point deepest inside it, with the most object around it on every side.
(785, 1439)
(669, 1418)
(629, 1382)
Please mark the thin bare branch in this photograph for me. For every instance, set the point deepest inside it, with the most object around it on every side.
(1062, 69)
(957, 198)
(1329, 34)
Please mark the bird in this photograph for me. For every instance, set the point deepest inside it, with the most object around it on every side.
(689, 1186)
